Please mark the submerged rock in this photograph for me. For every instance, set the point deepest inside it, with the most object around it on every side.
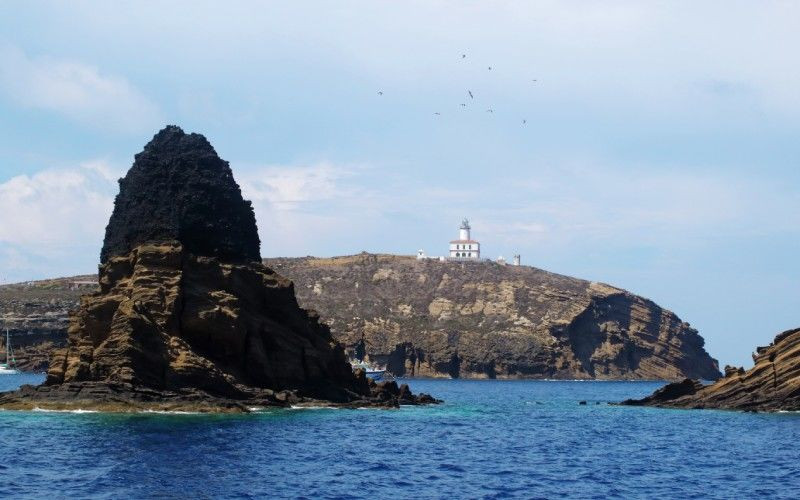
(187, 317)
(773, 384)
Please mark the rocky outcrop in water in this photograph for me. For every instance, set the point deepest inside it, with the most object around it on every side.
(772, 384)
(187, 317)
(427, 318)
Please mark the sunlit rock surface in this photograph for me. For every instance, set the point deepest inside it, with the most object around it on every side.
(484, 320)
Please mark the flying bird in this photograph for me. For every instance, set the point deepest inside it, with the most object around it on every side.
(463, 56)
(470, 94)
(437, 113)
(490, 110)
(380, 93)
(524, 122)
(463, 105)
(490, 68)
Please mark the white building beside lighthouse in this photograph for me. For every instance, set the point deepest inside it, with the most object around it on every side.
(465, 248)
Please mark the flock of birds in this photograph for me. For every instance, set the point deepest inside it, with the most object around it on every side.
(471, 95)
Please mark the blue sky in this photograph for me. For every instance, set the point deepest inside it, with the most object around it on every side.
(660, 152)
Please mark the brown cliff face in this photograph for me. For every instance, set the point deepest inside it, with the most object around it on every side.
(186, 316)
(483, 320)
(173, 321)
(773, 384)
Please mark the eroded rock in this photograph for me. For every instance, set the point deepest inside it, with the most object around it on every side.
(773, 384)
(186, 316)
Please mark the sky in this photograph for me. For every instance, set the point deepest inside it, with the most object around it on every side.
(658, 152)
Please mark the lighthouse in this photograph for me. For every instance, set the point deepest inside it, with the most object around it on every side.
(465, 248)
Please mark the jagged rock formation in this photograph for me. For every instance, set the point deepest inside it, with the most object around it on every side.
(178, 189)
(773, 384)
(187, 317)
(484, 320)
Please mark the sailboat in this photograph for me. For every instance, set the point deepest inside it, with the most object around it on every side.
(7, 368)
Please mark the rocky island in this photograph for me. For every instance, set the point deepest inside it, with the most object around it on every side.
(439, 319)
(481, 319)
(186, 316)
(772, 384)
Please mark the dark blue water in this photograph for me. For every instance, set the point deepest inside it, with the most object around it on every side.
(491, 439)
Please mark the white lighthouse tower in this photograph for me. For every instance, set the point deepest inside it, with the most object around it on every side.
(465, 248)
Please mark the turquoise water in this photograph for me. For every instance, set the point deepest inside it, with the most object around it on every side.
(503, 439)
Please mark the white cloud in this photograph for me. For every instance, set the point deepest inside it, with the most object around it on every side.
(287, 188)
(301, 208)
(54, 216)
(103, 169)
(78, 91)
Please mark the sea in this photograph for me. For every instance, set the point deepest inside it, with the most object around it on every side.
(490, 439)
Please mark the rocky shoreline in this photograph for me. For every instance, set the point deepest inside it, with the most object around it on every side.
(772, 384)
(126, 398)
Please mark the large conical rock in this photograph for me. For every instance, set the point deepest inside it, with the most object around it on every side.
(186, 316)
(180, 190)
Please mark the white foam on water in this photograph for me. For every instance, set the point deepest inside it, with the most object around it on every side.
(588, 380)
(171, 412)
(44, 410)
(300, 407)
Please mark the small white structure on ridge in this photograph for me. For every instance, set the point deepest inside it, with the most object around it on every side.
(465, 248)
(517, 260)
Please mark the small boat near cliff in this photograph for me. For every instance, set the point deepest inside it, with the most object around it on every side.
(9, 367)
(373, 372)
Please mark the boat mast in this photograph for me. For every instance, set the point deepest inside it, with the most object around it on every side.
(8, 350)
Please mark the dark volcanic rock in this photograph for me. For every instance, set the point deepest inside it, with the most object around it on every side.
(773, 384)
(178, 189)
(669, 392)
(186, 316)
